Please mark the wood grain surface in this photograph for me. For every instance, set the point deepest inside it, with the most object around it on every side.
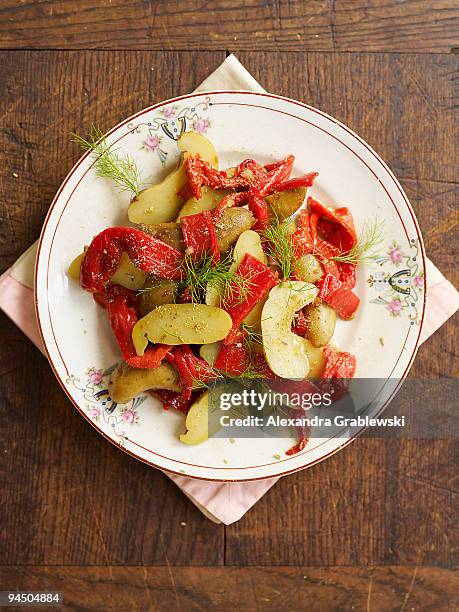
(234, 25)
(372, 528)
(341, 589)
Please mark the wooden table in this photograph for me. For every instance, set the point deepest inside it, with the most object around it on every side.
(372, 528)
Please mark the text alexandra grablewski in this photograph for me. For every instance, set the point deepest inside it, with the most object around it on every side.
(339, 421)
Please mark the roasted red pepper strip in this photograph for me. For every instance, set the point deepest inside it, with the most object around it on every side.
(298, 387)
(273, 165)
(306, 240)
(218, 179)
(147, 253)
(186, 193)
(338, 296)
(178, 360)
(173, 399)
(267, 182)
(194, 173)
(190, 369)
(298, 447)
(252, 166)
(339, 368)
(200, 369)
(121, 305)
(152, 357)
(347, 274)
(338, 364)
(199, 235)
(300, 325)
(258, 281)
(235, 359)
(277, 175)
(259, 208)
(111, 292)
(336, 225)
(122, 317)
(200, 173)
(306, 180)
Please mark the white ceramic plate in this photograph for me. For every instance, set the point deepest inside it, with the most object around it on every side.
(75, 332)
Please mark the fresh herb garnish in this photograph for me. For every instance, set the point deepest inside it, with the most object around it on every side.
(371, 236)
(250, 335)
(108, 163)
(279, 245)
(203, 274)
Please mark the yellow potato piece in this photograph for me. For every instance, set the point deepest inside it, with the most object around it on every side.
(212, 296)
(181, 324)
(253, 319)
(197, 421)
(127, 382)
(316, 359)
(160, 203)
(307, 268)
(128, 275)
(209, 352)
(209, 200)
(284, 203)
(73, 270)
(248, 242)
(197, 144)
(285, 351)
(321, 321)
(156, 293)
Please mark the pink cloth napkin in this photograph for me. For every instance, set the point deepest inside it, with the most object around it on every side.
(218, 501)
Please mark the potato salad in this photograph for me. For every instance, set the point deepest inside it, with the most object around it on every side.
(223, 273)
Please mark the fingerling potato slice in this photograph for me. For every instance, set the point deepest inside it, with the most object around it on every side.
(181, 324)
(284, 203)
(128, 275)
(171, 233)
(307, 268)
(197, 144)
(156, 293)
(197, 421)
(285, 352)
(126, 382)
(316, 359)
(233, 222)
(209, 352)
(209, 199)
(321, 321)
(248, 242)
(160, 203)
(73, 271)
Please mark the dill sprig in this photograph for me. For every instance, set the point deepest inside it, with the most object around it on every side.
(279, 246)
(199, 275)
(110, 164)
(198, 384)
(370, 237)
(251, 335)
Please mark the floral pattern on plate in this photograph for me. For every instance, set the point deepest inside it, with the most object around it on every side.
(100, 407)
(401, 287)
(172, 121)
